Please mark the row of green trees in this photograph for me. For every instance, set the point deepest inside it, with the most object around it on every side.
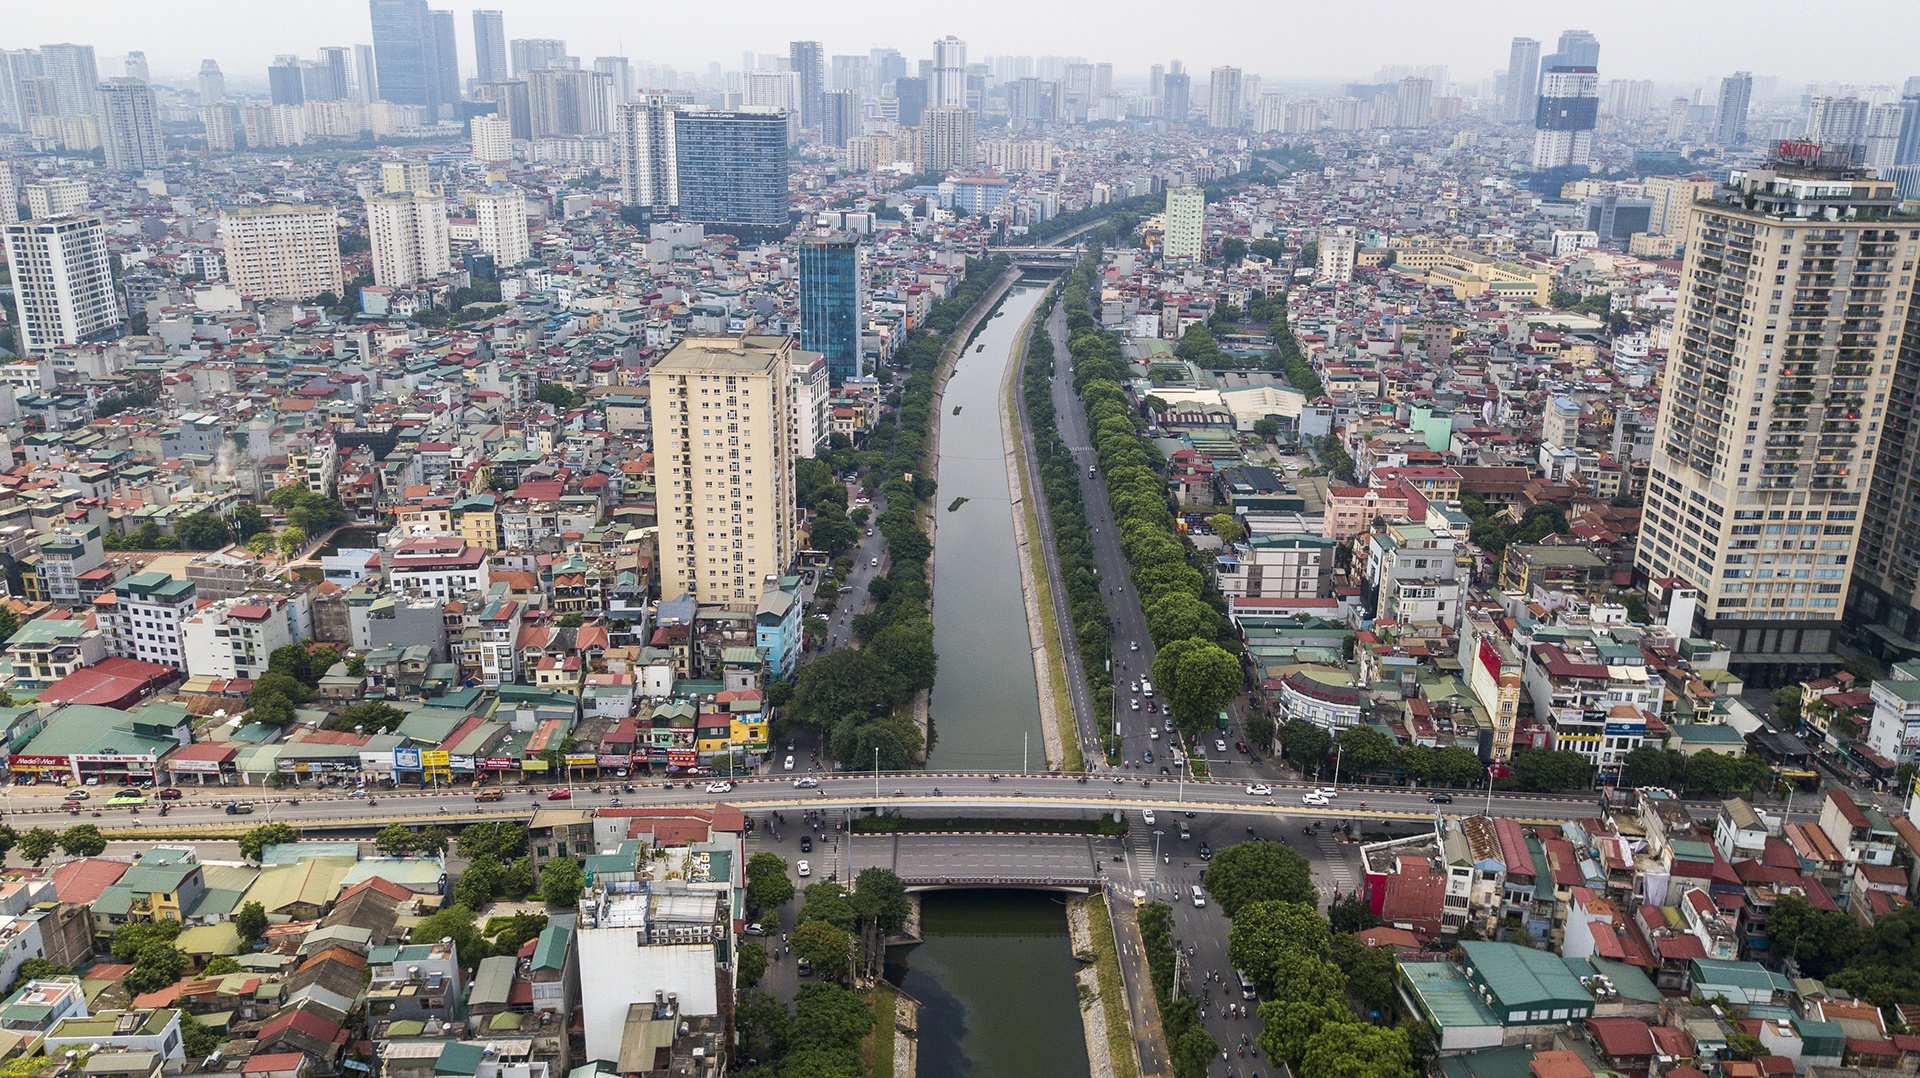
(1363, 752)
(1183, 611)
(859, 697)
(1188, 1042)
(1130, 208)
(1309, 1017)
(1316, 983)
(819, 1037)
(1072, 536)
(39, 843)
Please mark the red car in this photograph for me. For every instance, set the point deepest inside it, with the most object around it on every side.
(560, 795)
(1241, 745)
(170, 794)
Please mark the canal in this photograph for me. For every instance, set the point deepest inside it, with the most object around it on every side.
(985, 700)
(995, 980)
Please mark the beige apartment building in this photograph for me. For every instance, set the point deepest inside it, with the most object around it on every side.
(282, 251)
(723, 467)
(1796, 286)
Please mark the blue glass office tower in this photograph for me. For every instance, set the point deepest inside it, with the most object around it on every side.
(406, 54)
(830, 301)
(732, 168)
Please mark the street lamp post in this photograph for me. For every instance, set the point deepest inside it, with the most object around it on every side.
(1338, 749)
(1156, 841)
(876, 772)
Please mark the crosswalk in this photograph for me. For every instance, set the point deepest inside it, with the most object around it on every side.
(1337, 870)
(1146, 871)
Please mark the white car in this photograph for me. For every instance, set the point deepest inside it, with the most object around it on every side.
(1315, 798)
(804, 869)
(805, 784)
(1328, 792)
(1135, 687)
(1147, 816)
(1133, 645)
(1153, 735)
(1136, 705)
(720, 787)
(1259, 790)
(1220, 744)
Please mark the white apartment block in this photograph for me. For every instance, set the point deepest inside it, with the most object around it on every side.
(282, 251)
(1339, 249)
(63, 288)
(1183, 225)
(56, 197)
(500, 215)
(492, 139)
(149, 611)
(410, 239)
(267, 126)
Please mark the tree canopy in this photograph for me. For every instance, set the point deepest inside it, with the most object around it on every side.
(1249, 872)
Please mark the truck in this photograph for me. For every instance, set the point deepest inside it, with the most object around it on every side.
(1146, 687)
(489, 795)
(235, 808)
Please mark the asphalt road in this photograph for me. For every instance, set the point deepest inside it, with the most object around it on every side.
(1123, 606)
(869, 560)
(919, 792)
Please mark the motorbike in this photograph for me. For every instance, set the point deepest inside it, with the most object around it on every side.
(1117, 858)
(1082, 780)
(371, 802)
(993, 778)
(1249, 829)
(1146, 782)
(936, 791)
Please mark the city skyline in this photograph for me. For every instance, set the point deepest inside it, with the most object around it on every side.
(1695, 44)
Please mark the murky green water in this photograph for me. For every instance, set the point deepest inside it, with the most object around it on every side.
(985, 699)
(995, 983)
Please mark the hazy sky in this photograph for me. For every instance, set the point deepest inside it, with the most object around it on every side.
(1669, 41)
